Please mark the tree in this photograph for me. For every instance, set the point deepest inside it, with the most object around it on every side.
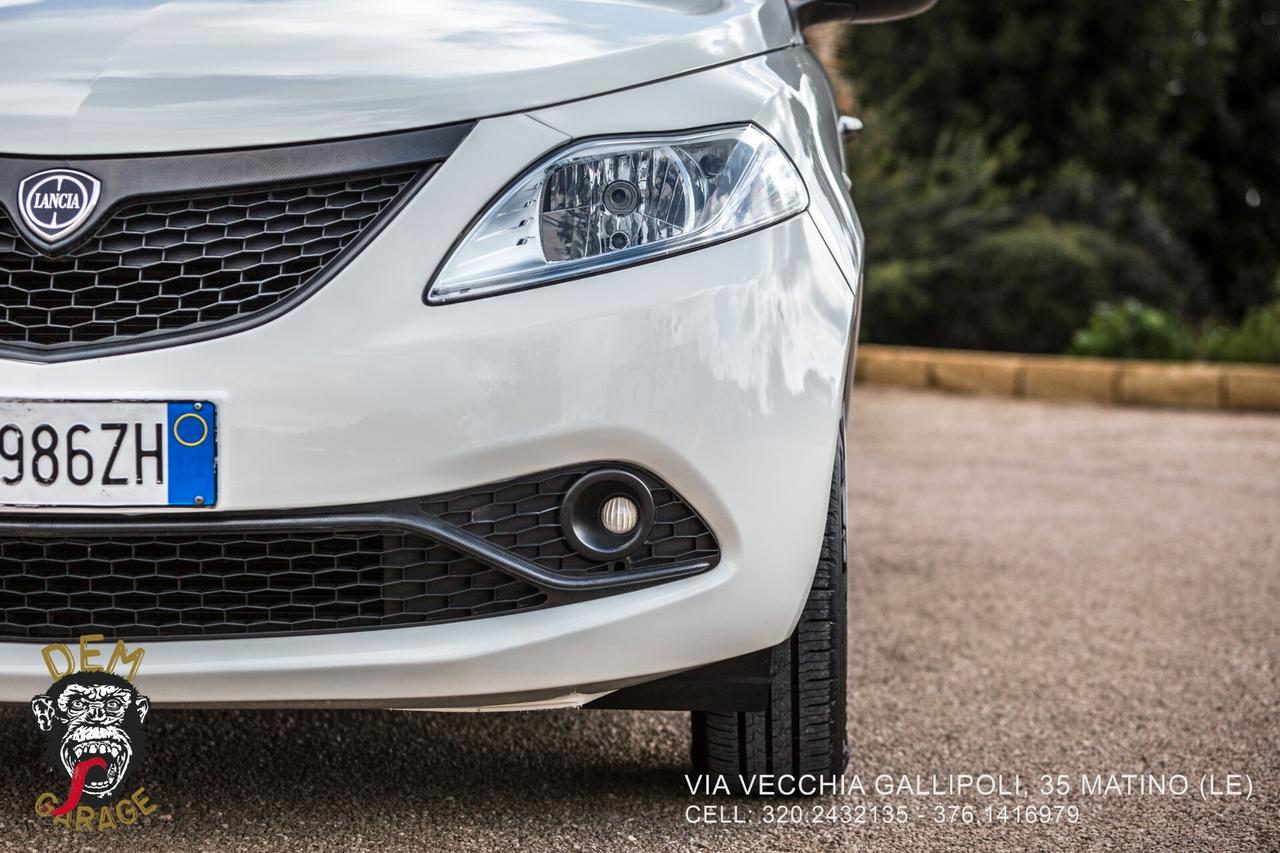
(1136, 139)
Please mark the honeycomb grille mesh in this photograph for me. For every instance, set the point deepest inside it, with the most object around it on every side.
(191, 585)
(182, 264)
(523, 516)
(306, 574)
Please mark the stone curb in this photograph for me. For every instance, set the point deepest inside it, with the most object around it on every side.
(1188, 385)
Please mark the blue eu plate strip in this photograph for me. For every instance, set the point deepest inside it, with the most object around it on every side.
(193, 457)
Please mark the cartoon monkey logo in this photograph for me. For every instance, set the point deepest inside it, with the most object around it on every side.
(93, 729)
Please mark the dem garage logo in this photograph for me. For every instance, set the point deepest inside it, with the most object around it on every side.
(92, 718)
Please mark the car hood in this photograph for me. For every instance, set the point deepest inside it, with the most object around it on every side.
(119, 76)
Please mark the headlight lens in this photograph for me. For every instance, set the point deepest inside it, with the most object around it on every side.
(612, 202)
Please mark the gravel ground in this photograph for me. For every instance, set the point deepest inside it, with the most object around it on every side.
(1035, 589)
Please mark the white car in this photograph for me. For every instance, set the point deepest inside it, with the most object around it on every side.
(447, 355)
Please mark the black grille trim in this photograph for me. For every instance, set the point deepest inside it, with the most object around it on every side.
(128, 182)
(516, 582)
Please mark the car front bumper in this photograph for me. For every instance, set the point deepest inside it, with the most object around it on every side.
(721, 370)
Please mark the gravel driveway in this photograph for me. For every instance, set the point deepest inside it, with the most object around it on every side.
(1036, 589)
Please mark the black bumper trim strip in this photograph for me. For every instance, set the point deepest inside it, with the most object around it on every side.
(407, 521)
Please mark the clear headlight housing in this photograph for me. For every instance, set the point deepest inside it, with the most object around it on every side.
(608, 203)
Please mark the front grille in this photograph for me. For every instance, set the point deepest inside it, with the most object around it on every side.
(201, 584)
(182, 264)
(470, 554)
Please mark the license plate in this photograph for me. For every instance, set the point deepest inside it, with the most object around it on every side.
(88, 453)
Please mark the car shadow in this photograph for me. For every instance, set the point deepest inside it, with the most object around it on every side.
(211, 764)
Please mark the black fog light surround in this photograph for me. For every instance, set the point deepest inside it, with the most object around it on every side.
(604, 499)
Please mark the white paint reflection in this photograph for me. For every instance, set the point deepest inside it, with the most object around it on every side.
(357, 67)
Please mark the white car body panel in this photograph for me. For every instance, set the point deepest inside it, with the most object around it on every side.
(723, 370)
(724, 366)
(169, 75)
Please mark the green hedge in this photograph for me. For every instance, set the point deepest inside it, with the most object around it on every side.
(1024, 288)
(1257, 338)
(1133, 330)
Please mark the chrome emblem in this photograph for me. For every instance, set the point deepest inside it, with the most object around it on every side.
(56, 202)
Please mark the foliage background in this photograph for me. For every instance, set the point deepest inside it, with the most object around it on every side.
(1031, 163)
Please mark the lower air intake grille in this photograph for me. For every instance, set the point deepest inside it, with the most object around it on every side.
(481, 552)
(523, 516)
(170, 585)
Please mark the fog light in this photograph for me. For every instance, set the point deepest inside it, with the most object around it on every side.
(619, 515)
(607, 514)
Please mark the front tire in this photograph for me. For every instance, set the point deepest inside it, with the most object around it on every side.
(803, 730)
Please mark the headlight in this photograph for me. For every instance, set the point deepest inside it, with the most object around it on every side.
(612, 202)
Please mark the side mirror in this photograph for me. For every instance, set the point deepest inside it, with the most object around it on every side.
(849, 127)
(856, 11)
